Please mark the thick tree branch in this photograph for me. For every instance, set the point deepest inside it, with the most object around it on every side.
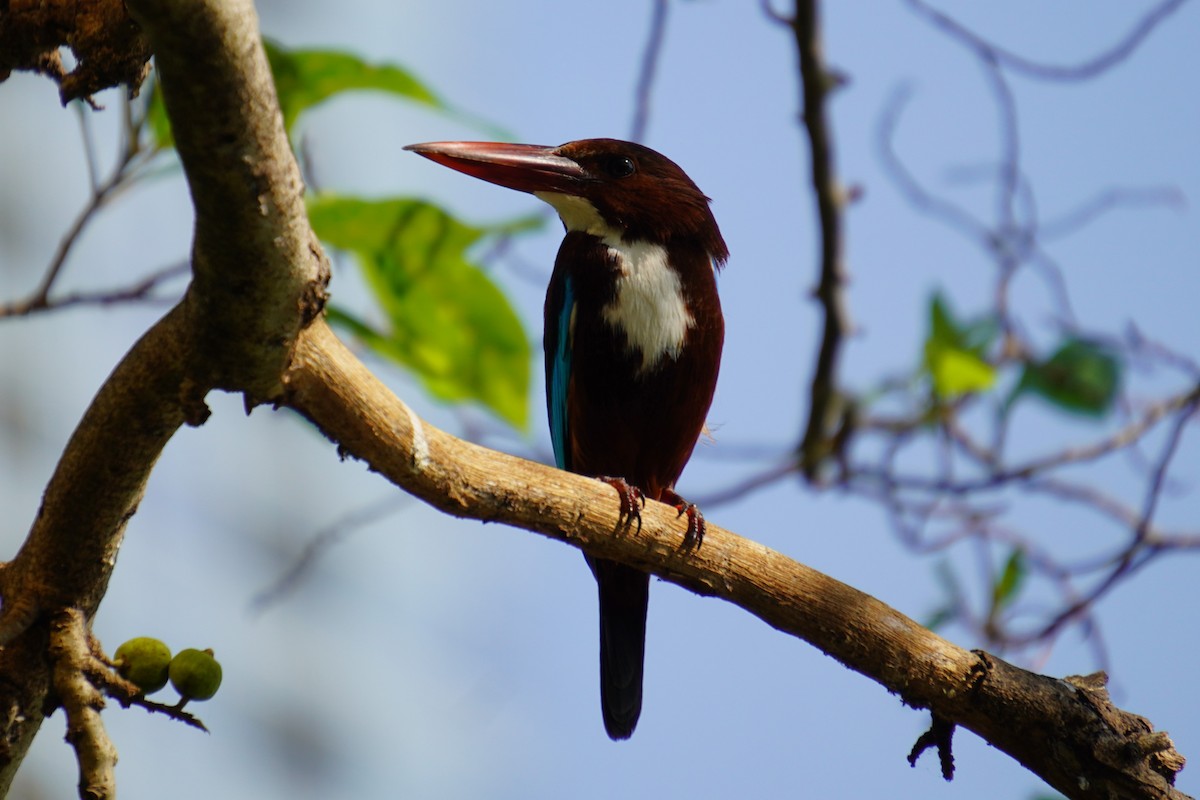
(259, 271)
(259, 277)
(1066, 731)
(66, 561)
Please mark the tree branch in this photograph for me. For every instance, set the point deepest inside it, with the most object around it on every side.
(82, 701)
(1066, 731)
(817, 82)
(645, 82)
(259, 277)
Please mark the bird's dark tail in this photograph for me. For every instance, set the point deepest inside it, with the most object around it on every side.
(624, 594)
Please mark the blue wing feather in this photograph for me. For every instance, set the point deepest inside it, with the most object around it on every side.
(559, 376)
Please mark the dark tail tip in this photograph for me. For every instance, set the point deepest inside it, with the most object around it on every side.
(624, 595)
(620, 729)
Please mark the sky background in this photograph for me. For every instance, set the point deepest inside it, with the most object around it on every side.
(430, 657)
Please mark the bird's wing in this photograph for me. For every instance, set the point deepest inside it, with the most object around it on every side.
(560, 310)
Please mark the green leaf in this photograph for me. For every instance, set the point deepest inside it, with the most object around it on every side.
(954, 353)
(305, 78)
(942, 326)
(1010, 581)
(956, 372)
(1081, 377)
(446, 320)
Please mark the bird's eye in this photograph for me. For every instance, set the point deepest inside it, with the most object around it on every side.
(618, 166)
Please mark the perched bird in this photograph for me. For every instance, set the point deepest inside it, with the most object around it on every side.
(633, 337)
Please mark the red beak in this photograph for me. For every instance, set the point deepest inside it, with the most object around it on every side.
(524, 167)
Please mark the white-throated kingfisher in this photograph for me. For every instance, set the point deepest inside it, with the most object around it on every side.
(633, 337)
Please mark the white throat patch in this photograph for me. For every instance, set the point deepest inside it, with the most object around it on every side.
(649, 307)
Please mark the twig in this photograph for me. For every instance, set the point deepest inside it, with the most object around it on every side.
(650, 57)
(39, 300)
(1055, 72)
(817, 82)
(1154, 487)
(1012, 236)
(175, 711)
(71, 652)
(321, 541)
(917, 196)
(1109, 200)
(89, 146)
(133, 293)
(766, 477)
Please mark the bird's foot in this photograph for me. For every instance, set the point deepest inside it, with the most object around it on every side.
(632, 501)
(696, 524)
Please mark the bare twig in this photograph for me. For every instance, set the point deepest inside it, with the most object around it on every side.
(1109, 200)
(137, 292)
(1055, 72)
(817, 82)
(766, 477)
(953, 215)
(89, 146)
(1154, 486)
(650, 56)
(122, 176)
(968, 467)
(175, 711)
(82, 701)
(320, 542)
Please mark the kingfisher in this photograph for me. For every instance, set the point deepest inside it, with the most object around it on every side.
(633, 337)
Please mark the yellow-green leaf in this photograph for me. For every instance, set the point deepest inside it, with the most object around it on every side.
(1010, 581)
(957, 372)
(954, 353)
(306, 78)
(446, 320)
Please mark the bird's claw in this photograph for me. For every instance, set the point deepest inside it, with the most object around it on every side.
(632, 501)
(696, 524)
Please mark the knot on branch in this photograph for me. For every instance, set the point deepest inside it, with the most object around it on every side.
(1131, 739)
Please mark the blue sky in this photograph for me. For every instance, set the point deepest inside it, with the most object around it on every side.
(429, 657)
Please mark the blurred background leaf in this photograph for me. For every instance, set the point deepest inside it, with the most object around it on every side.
(446, 321)
(1081, 377)
(954, 353)
(306, 78)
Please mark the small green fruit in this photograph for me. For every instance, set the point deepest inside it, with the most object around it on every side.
(144, 661)
(195, 674)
